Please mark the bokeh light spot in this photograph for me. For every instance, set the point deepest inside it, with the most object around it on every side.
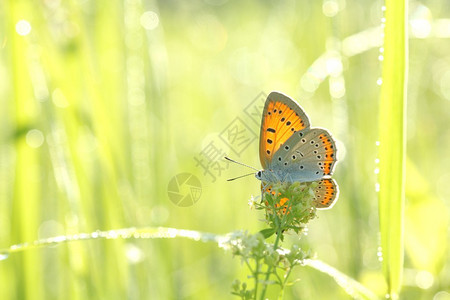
(159, 214)
(424, 279)
(59, 99)
(420, 21)
(23, 27)
(420, 28)
(337, 87)
(334, 66)
(149, 20)
(35, 138)
(330, 8)
(134, 254)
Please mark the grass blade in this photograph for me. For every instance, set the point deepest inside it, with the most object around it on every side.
(392, 143)
(350, 285)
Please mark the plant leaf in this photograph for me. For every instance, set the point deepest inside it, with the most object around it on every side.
(267, 233)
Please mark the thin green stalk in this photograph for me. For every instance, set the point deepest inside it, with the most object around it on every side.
(277, 276)
(249, 266)
(256, 278)
(281, 295)
(255, 273)
(275, 246)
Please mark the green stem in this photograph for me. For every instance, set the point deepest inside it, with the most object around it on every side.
(255, 274)
(269, 270)
(249, 267)
(275, 245)
(283, 285)
(278, 277)
(281, 295)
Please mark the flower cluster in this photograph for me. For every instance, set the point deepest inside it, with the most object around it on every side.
(288, 206)
(263, 260)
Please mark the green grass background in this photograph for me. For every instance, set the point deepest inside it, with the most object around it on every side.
(98, 113)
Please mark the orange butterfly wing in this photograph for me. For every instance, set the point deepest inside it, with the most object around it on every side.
(326, 193)
(282, 116)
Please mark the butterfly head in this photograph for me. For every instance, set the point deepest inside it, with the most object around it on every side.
(267, 176)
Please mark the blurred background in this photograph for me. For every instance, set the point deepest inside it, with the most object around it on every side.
(118, 113)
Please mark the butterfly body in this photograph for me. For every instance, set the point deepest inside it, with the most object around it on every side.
(292, 151)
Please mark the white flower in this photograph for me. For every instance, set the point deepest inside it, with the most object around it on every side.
(252, 202)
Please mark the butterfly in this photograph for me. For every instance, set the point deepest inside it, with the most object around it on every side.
(291, 150)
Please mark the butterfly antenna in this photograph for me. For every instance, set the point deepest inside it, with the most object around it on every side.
(231, 179)
(239, 163)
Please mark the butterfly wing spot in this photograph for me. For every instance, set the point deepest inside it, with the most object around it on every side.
(271, 130)
(269, 141)
(268, 152)
(283, 118)
(294, 157)
(279, 158)
(286, 148)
